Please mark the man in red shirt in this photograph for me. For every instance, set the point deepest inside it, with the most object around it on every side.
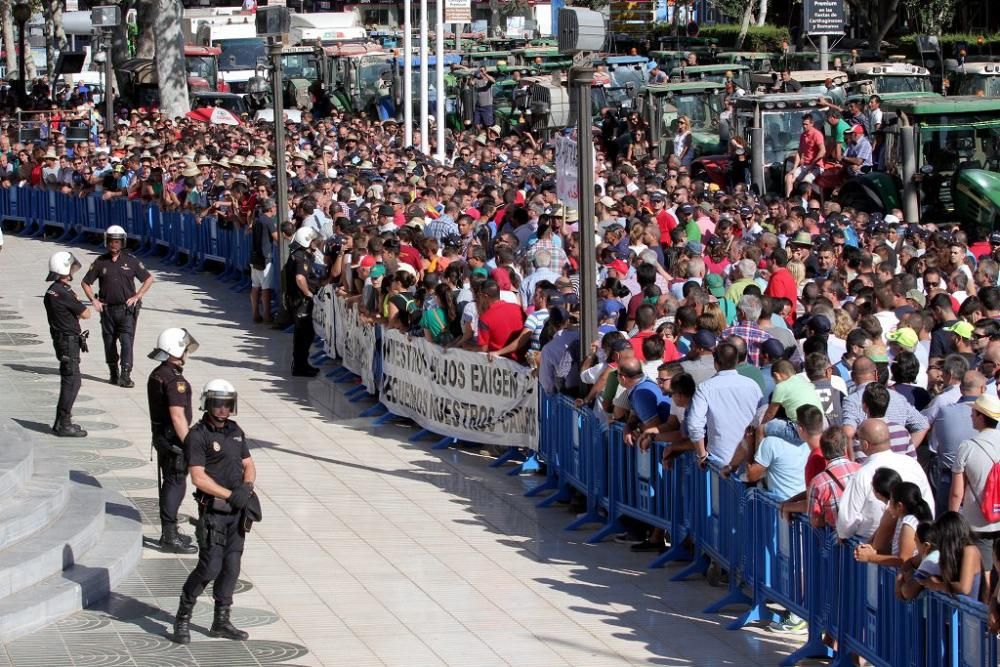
(809, 157)
(499, 321)
(782, 282)
(665, 220)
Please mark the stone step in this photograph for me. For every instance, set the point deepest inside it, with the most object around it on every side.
(16, 457)
(87, 581)
(37, 503)
(58, 545)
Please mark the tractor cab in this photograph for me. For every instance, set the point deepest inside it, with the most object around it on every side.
(301, 66)
(202, 66)
(547, 59)
(740, 74)
(979, 79)
(769, 126)
(814, 82)
(945, 152)
(755, 60)
(360, 78)
(700, 101)
(668, 60)
(893, 77)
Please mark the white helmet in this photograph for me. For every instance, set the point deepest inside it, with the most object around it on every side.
(115, 233)
(304, 236)
(173, 342)
(62, 263)
(218, 391)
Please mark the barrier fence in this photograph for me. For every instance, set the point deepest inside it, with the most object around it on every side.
(734, 533)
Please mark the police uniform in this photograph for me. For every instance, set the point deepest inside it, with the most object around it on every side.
(63, 309)
(221, 451)
(117, 285)
(168, 388)
(300, 308)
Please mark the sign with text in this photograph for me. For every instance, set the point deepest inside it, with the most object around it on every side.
(567, 182)
(458, 11)
(823, 17)
(459, 394)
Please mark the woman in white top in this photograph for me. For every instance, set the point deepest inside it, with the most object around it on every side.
(683, 142)
(895, 541)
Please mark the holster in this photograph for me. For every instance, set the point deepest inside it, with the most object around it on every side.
(167, 444)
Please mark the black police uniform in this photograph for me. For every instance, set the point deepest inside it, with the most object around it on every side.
(300, 308)
(221, 452)
(167, 388)
(117, 278)
(63, 309)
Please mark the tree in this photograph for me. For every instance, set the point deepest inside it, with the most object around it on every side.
(931, 16)
(170, 68)
(9, 44)
(878, 16)
(742, 10)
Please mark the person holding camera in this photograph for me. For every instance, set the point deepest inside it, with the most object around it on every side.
(484, 99)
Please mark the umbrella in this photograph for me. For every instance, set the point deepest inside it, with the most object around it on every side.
(215, 115)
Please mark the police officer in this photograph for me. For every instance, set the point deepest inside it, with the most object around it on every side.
(223, 472)
(169, 396)
(300, 286)
(64, 311)
(118, 302)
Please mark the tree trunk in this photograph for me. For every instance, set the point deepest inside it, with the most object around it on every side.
(9, 43)
(147, 43)
(762, 13)
(58, 7)
(50, 42)
(170, 68)
(745, 24)
(886, 14)
(30, 70)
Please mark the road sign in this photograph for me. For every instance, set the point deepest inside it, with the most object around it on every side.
(458, 11)
(823, 17)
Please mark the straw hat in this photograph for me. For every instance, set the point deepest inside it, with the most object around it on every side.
(988, 405)
(191, 171)
(203, 161)
(223, 162)
(237, 161)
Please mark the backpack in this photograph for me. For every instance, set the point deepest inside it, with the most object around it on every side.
(989, 503)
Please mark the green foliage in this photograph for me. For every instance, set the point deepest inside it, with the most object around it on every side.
(951, 41)
(931, 16)
(759, 38)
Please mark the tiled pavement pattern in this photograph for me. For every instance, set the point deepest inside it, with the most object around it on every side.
(373, 550)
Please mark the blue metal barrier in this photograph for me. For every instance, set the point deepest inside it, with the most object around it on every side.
(957, 632)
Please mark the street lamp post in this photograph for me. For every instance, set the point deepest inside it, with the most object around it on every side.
(21, 12)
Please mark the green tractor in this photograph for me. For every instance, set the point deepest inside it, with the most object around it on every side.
(943, 155)
(700, 101)
(740, 74)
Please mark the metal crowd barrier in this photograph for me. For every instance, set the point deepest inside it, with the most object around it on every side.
(183, 240)
(710, 519)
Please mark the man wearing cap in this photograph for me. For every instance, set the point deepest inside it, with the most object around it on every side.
(961, 340)
(700, 364)
(970, 471)
(858, 154)
(905, 339)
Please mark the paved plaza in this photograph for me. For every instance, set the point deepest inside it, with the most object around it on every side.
(373, 550)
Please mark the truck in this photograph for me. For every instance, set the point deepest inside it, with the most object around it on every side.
(138, 81)
(326, 28)
(240, 48)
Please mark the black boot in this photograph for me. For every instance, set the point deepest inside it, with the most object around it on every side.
(172, 542)
(221, 627)
(67, 429)
(114, 373)
(125, 379)
(182, 623)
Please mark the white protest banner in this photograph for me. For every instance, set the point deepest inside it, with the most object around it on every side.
(339, 314)
(459, 394)
(359, 345)
(458, 11)
(567, 159)
(321, 308)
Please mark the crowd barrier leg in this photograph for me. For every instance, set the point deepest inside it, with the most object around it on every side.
(822, 590)
(546, 440)
(681, 475)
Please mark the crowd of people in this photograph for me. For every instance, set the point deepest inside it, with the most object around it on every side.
(845, 360)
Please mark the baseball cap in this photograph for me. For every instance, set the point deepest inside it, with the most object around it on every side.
(819, 323)
(377, 271)
(858, 129)
(704, 338)
(988, 405)
(904, 337)
(695, 247)
(716, 286)
(961, 328)
(607, 202)
(877, 353)
(618, 265)
(609, 308)
(364, 262)
(891, 219)
(802, 238)
(686, 209)
(773, 348)
(995, 238)
(917, 297)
